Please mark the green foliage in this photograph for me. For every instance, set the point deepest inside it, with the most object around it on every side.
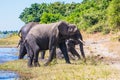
(50, 18)
(90, 15)
(95, 28)
(114, 14)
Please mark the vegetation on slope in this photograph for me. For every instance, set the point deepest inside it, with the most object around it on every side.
(90, 15)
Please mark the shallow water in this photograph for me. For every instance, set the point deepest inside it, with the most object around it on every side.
(8, 75)
(8, 54)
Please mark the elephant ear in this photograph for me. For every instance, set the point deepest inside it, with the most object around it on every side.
(72, 28)
(63, 27)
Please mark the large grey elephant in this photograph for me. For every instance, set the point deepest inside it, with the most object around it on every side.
(48, 36)
(22, 51)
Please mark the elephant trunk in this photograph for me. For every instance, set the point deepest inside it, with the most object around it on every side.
(81, 43)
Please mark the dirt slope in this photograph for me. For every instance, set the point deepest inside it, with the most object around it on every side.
(103, 47)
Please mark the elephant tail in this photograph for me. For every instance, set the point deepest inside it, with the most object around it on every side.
(19, 33)
(18, 43)
(20, 39)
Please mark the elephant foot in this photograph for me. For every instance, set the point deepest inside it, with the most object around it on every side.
(78, 58)
(68, 62)
(30, 62)
(84, 60)
(29, 65)
(20, 57)
(47, 63)
(36, 64)
(71, 57)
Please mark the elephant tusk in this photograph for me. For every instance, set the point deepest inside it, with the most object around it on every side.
(83, 42)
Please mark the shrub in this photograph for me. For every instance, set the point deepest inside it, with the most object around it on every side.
(95, 28)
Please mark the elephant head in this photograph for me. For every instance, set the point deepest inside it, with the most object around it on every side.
(62, 31)
(77, 37)
(65, 28)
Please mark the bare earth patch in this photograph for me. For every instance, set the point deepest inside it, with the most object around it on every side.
(104, 48)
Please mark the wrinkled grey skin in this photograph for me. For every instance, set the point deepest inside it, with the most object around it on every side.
(22, 34)
(48, 36)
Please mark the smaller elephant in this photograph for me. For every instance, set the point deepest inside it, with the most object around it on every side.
(76, 38)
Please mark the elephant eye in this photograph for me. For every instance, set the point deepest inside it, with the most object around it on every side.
(70, 29)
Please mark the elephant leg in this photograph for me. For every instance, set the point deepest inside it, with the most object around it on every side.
(71, 56)
(22, 52)
(36, 54)
(63, 48)
(42, 54)
(52, 52)
(82, 51)
(30, 52)
(74, 52)
(30, 58)
(59, 54)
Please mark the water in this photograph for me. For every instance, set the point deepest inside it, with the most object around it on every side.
(8, 75)
(4, 35)
(8, 54)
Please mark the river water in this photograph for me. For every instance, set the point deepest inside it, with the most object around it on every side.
(8, 54)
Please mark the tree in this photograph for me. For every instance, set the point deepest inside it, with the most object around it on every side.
(50, 18)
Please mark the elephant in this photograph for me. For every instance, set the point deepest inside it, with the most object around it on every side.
(24, 31)
(75, 39)
(22, 34)
(47, 37)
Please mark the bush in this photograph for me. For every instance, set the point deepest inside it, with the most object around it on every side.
(106, 30)
(95, 28)
(113, 14)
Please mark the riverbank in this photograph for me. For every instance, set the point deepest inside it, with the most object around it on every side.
(103, 62)
(92, 70)
(11, 41)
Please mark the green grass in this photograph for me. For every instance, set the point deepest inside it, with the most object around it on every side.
(78, 70)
